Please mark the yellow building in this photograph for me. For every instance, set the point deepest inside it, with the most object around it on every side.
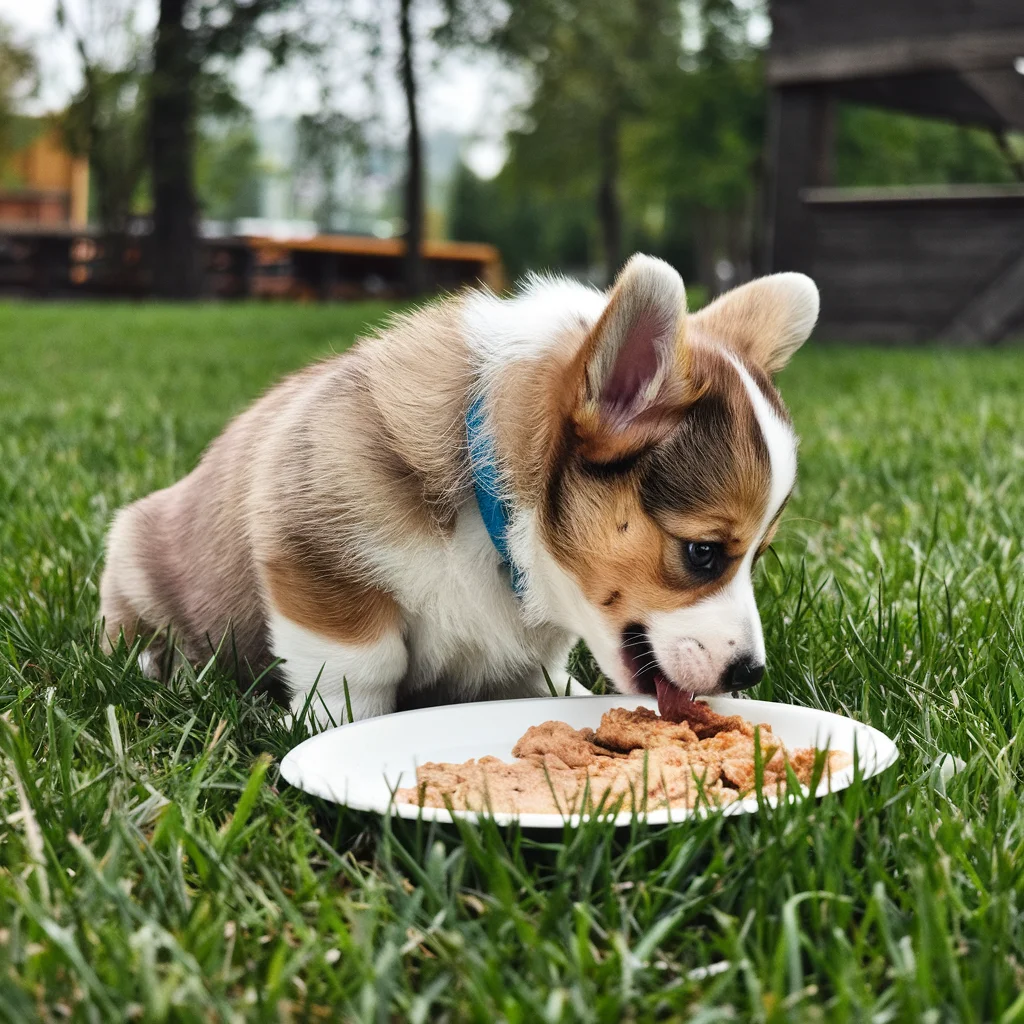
(41, 183)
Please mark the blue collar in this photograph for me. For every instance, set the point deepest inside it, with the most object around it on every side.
(495, 510)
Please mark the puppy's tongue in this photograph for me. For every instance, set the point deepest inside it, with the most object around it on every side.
(673, 703)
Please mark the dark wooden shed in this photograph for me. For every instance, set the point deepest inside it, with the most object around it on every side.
(909, 264)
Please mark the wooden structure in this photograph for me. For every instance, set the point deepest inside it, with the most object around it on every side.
(48, 250)
(331, 267)
(50, 186)
(911, 264)
(60, 262)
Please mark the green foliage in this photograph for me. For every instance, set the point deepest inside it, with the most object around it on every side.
(106, 119)
(224, 29)
(325, 138)
(594, 67)
(702, 141)
(532, 229)
(18, 133)
(153, 867)
(228, 169)
(536, 232)
(617, 100)
(878, 147)
(18, 79)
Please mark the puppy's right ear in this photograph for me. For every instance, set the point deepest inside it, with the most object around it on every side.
(630, 375)
(765, 320)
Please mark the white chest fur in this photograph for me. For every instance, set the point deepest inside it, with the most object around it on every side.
(464, 623)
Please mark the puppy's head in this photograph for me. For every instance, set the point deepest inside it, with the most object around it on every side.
(671, 464)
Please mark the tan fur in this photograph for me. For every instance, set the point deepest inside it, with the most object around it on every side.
(362, 448)
(180, 558)
(764, 321)
(613, 543)
(530, 405)
(296, 507)
(335, 605)
(549, 430)
(646, 292)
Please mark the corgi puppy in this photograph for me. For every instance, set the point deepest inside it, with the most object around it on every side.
(442, 512)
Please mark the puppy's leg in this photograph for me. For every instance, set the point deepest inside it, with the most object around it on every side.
(126, 598)
(334, 630)
(371, 671)
(161, 659)
(131, 603)
(122, 585)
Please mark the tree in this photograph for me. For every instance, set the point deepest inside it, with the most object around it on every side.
(105, 120)
(459, 24)
(532, 228)
(413, 189)
(594, 65)
(880, 147)
(18, 80)
(177, 268)
(227, 168)
(664, 140)
(331, 137)
(697, 153)
(324, 139)
(192, 34)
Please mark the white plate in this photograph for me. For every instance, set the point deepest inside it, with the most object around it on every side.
(360, 765)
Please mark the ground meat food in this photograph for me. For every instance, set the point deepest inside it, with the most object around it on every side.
(574, 747)
(641, 729)
(706, 722)
(633, 759)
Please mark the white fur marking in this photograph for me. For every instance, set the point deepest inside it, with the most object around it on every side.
(463, 623)
(694, 645)
(371, 671)
(502, 331)
(781, 446)
(554, 596)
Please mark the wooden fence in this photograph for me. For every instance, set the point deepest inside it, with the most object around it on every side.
(916, 264)
(60, 262)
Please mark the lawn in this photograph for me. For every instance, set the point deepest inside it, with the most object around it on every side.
(152, 866)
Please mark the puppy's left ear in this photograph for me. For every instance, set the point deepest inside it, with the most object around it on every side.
(630, 374)
(764, 321)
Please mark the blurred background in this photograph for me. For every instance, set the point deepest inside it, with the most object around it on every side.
(336, 149)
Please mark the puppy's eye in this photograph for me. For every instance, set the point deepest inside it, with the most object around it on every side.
(704, 557)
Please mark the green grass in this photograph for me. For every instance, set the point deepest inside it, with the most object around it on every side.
(152, 867)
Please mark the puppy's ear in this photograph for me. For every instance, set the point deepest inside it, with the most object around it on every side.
(630, 373)
(764, 321)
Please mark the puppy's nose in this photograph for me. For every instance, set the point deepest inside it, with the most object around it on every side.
(742, 674)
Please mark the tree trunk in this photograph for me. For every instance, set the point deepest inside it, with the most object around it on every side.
(112, 205)
(414, 269)
(175, 253)
(609, 212)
